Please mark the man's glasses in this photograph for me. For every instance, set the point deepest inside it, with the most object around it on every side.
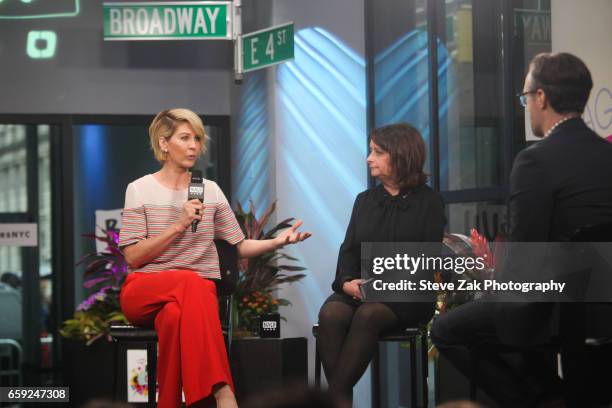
(523, 97)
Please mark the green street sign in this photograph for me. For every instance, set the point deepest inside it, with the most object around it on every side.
(267, 47)
(177, 20)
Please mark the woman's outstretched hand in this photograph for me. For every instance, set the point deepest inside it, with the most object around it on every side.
(249, 248)
(291, 235)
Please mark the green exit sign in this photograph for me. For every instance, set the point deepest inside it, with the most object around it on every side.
(177, 20)
(267, 47)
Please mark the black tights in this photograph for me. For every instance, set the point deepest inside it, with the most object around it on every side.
(348, 338)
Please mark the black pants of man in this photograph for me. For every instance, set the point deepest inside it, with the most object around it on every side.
(520, 378)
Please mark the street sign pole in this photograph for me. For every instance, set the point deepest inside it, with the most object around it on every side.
(237, 37)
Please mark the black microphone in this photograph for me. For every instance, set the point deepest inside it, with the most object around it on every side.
(196, 190)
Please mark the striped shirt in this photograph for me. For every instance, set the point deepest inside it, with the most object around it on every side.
(150, 208)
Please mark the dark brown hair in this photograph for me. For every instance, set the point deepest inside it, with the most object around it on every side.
(407, 149)
(565, 80)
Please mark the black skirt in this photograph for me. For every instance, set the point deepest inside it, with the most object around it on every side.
(409, 314)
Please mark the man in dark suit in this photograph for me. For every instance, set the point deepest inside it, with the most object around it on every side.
(558, 185)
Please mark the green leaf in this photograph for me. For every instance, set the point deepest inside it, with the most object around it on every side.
(287, 257)
(291, 268)
(266, 216)
(283, 302)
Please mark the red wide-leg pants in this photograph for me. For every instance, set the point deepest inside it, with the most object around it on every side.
(184, 310)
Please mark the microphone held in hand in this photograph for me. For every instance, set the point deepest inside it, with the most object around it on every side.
(196, 191)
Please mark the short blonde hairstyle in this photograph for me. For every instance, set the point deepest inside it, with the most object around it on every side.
(165, 123)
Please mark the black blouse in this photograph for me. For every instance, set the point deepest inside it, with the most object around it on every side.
(415, 215)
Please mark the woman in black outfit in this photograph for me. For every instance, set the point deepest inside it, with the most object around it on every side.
(402, 208)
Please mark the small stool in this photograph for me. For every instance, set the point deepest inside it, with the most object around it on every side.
(409, 335)
(133, 334)
(12, 352)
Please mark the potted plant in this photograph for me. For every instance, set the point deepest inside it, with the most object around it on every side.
(476, 245)
(104, 273)
(262, 275)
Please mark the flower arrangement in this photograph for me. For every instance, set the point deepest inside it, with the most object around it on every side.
(260, 302)
(251, 306)
(481, 248)
(104, 273)
(477, 246)
(261, 275)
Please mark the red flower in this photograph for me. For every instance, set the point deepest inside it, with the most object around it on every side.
(480, 248)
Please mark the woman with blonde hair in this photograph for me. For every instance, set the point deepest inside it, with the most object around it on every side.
(172, 269)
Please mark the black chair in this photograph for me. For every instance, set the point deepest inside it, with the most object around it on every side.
(586, 337)
(582, 328)
(409, 335)
(228, 264)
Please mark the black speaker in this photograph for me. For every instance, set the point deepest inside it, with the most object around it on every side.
(269, 326)
(263, 364)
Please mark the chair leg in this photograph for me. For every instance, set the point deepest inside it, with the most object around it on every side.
(424, 369)
(375, 375)
(117, 365)
(228, 311)
(317, 366)
(473, 375)
(152, 373)
(413, 373)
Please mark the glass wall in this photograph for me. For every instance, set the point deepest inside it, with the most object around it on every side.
(13, 199)
(469, 93)
(44, 198)
(26, 285)
(531, 35)
(13, 169)
(400, 58)
(480, 126)
(460, 41)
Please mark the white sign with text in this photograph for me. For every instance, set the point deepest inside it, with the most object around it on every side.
(105, 220)
(19, 235)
